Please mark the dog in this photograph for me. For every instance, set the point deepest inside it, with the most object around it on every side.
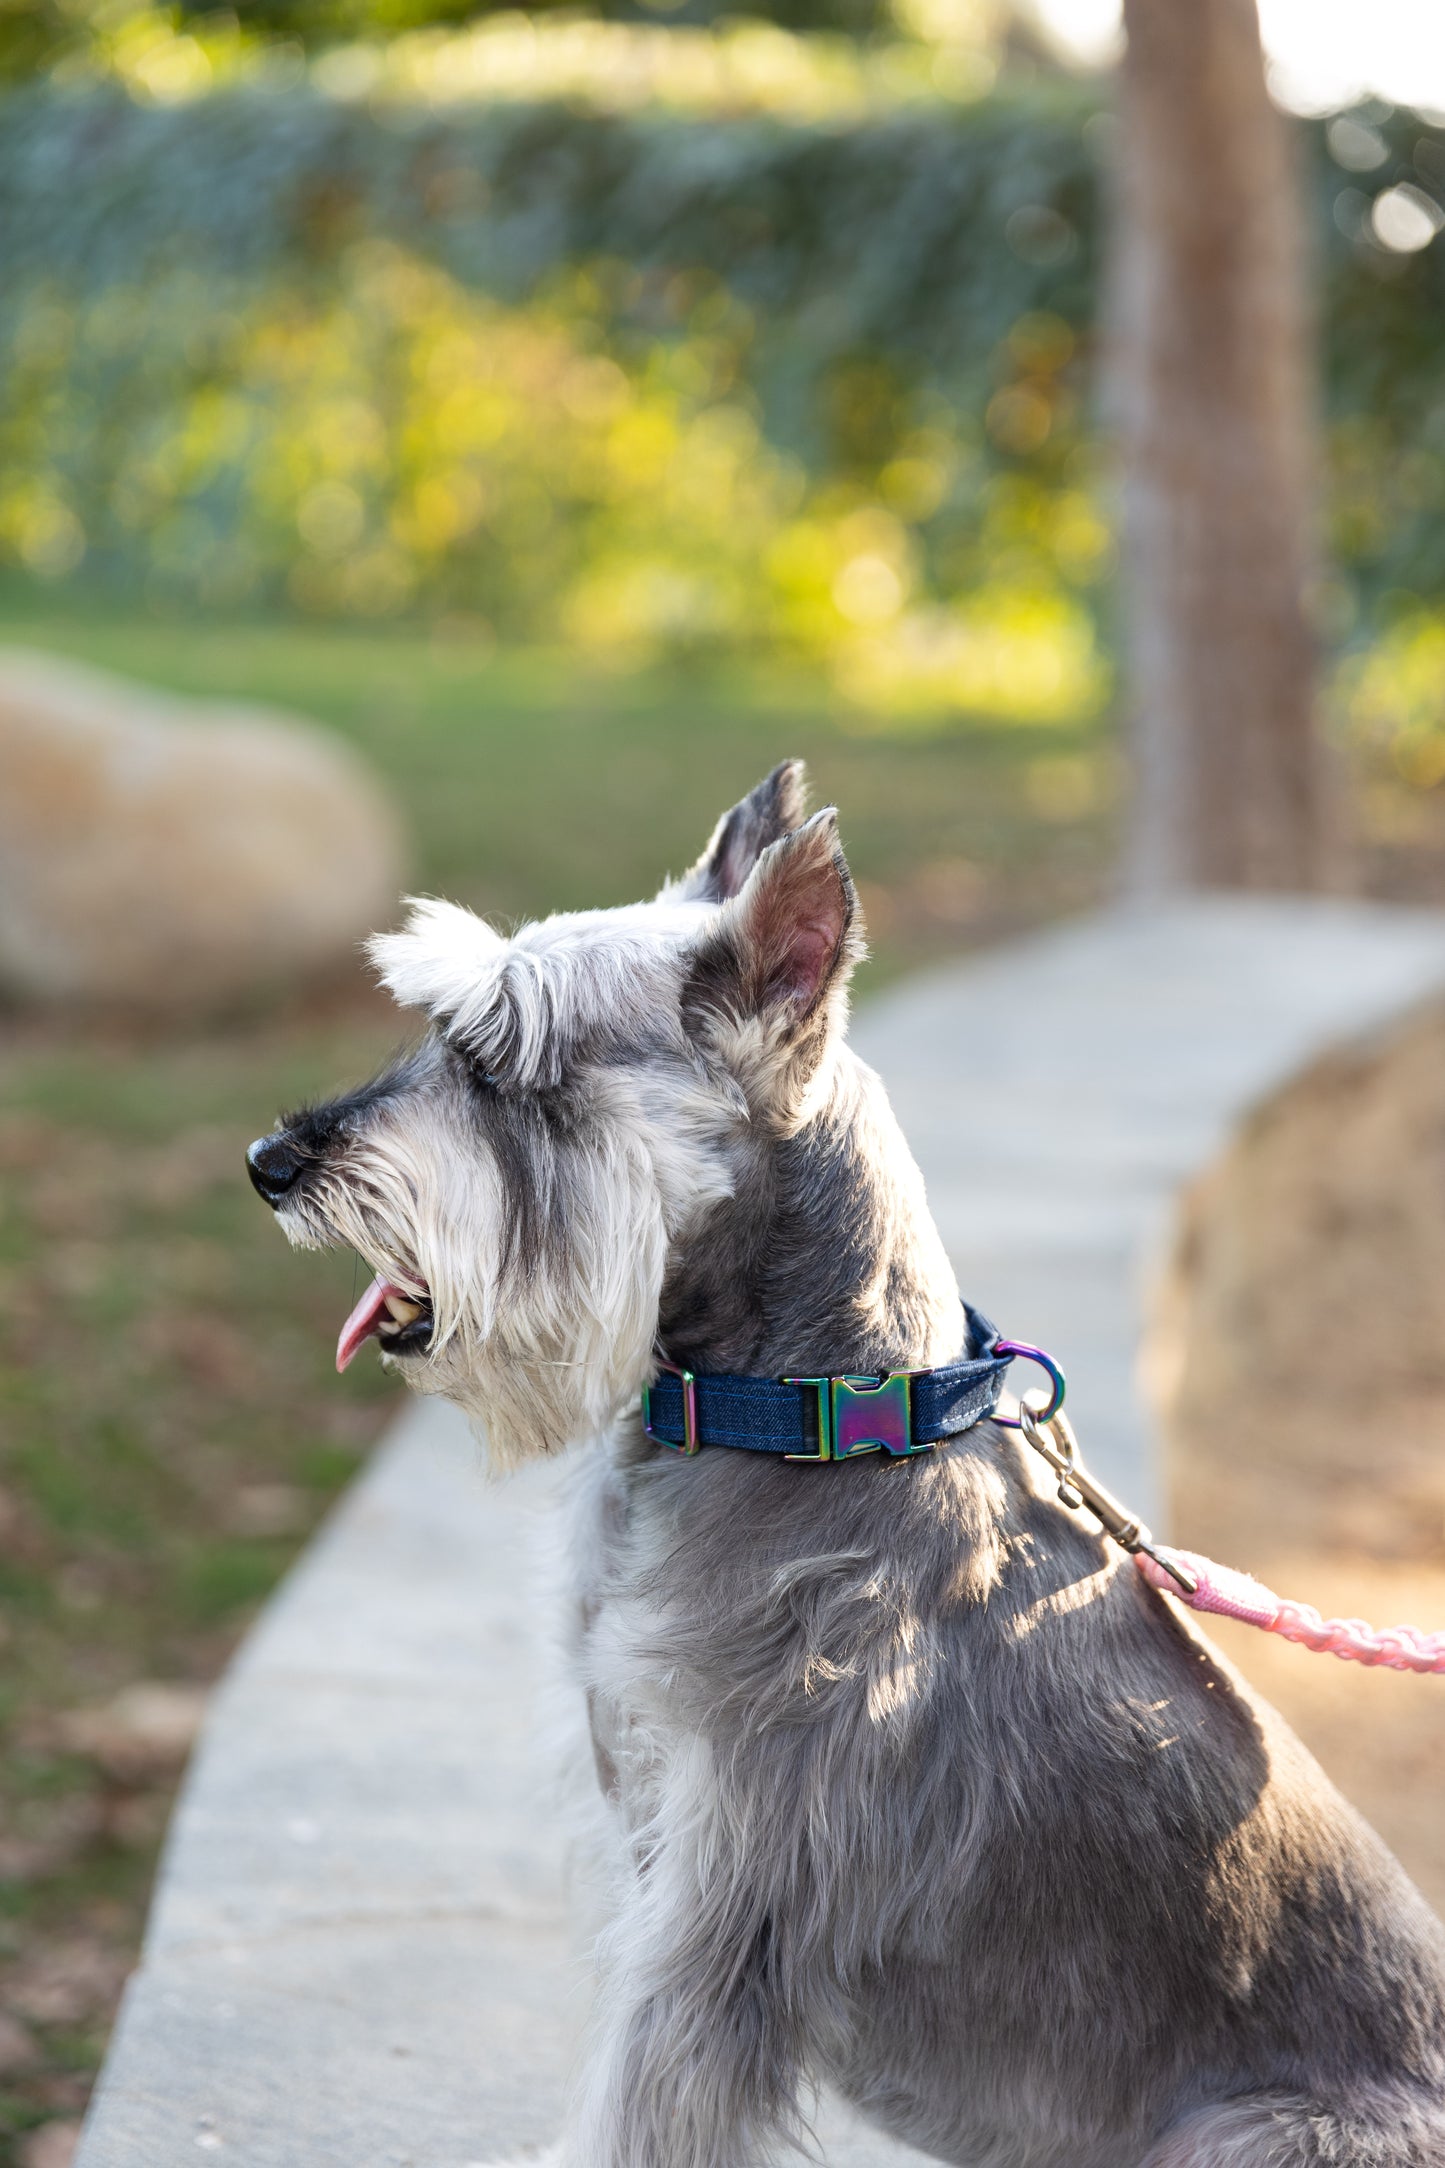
(918, 1788)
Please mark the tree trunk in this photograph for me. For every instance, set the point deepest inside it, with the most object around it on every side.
(1214, 404)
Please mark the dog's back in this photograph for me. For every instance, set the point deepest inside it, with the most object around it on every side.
(1041, 1876)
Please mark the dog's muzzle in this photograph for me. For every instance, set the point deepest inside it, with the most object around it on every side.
(274, 1166)
(399, 1317)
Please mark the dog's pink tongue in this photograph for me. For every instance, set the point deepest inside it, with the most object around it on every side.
(363, 1320)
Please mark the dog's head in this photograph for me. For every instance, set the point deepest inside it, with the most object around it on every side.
(523, 1179)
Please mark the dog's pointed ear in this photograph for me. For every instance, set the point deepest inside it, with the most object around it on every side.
(771, 811)
(444, 959)
(769, 979)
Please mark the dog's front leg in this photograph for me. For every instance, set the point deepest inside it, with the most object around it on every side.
(695, 2060)
(685, 2071)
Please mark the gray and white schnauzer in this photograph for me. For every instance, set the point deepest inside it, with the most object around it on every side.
(921, 1790)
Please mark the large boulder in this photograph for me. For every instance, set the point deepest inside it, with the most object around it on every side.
(172, 854)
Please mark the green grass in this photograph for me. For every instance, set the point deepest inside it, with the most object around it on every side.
(165, 1365)
(170, 1423)
(531, 787)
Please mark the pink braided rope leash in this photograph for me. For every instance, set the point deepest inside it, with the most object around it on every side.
(1230, 1594)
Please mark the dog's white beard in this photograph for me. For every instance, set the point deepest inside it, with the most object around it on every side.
(539, 1350)
(572, 1340)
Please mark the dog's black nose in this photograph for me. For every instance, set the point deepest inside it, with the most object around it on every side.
(274, 1164)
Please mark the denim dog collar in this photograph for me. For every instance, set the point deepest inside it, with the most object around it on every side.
(837, 1418)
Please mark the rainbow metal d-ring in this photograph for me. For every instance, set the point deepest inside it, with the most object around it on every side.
(1022, 1350)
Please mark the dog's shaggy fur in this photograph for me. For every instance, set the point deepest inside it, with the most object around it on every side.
(919, 1788)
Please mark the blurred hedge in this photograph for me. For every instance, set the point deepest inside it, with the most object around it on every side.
(920, 236)
(39, 36)
(903, 301)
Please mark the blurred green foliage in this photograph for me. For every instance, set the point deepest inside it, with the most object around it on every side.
(37, 36)
(614, 378)
(763, 356)
(317, 23)
(393, 441)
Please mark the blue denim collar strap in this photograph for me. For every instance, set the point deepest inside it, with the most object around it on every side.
(831, 1418)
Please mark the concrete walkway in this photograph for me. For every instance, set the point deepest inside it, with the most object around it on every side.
(358, 1954)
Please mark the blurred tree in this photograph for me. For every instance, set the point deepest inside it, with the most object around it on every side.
(1215, 405)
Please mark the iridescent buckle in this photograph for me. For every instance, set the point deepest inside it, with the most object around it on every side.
(690, 1441)
(863, 1415)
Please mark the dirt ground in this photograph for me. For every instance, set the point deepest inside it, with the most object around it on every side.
(1299, 1358)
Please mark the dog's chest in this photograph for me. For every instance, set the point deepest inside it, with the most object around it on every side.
(623, 1620)
(723, 1606)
